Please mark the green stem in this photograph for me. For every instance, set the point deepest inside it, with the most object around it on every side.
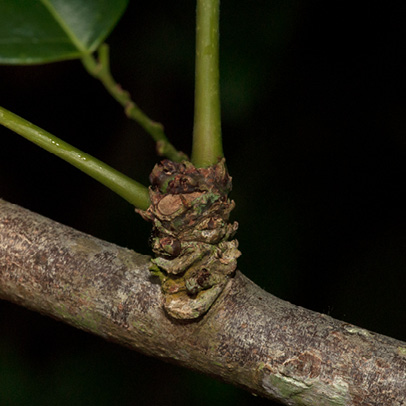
(129, 189)
(207, 144)
(100, 69)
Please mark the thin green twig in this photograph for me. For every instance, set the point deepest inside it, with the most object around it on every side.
(132, 191)
(100, 69)
(207, 143)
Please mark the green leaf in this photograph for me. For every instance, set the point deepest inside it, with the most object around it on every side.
(38, 31)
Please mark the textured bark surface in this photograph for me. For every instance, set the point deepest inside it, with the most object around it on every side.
(190, 212)
(248, 338)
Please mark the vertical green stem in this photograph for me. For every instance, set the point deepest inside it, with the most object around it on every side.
(207, 145)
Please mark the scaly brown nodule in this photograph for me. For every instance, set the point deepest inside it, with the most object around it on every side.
(191, 234)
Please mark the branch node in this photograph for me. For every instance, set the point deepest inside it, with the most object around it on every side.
(191, 235)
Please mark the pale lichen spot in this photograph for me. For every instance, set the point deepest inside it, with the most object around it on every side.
(358, 330)
(402, 351)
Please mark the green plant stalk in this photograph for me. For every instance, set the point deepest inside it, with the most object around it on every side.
(132, 191)
(100, 69)
(207, 144)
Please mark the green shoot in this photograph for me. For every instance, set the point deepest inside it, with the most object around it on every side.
(100, 69)
(207, 143)
(127, 188)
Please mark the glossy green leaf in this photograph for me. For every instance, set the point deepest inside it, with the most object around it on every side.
(38, 31)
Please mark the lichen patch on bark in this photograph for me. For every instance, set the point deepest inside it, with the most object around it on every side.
(192, 235)
(300, 387)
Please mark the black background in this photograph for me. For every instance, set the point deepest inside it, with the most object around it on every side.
(313, 107)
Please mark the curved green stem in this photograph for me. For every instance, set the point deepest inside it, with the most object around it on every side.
(100, 69)
(129, 189)
(207, 144)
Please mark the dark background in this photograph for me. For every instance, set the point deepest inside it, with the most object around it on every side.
(313, 99)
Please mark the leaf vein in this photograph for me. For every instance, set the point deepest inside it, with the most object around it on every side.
(75, 40)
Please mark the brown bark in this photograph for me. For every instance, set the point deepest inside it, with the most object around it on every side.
(248, 338)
